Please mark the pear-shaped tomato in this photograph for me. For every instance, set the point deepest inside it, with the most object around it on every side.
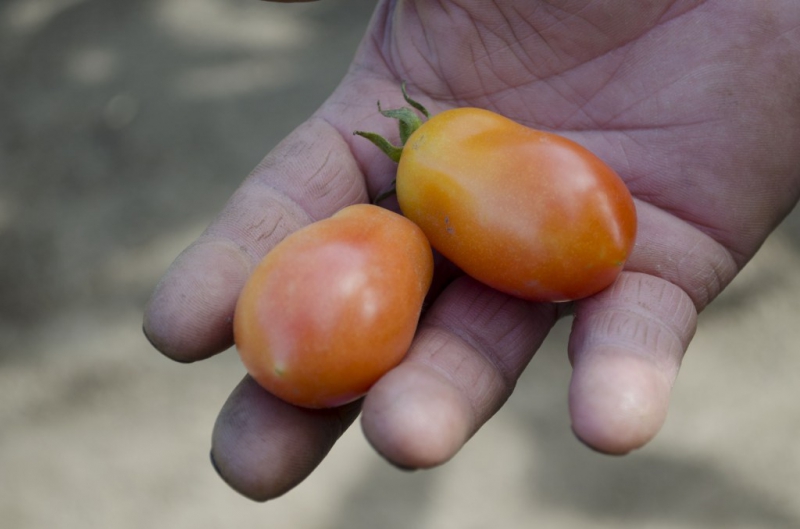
(334, 306)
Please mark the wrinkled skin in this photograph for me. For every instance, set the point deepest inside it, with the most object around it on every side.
(695, 103)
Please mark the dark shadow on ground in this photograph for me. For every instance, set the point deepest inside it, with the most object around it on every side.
(119, 129)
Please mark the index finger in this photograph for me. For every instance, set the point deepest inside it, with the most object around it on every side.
(308, 176)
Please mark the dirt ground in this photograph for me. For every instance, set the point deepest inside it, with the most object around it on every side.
(124, 126)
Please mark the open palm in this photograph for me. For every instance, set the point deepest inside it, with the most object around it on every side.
(693, 102)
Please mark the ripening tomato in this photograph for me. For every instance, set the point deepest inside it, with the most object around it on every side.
(334, 306)
(527, 212)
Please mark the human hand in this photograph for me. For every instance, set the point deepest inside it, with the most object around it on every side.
(693, 103)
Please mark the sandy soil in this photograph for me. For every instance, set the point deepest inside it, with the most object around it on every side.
(125, 126)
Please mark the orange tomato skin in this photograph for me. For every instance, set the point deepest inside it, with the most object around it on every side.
(334, 306)
(527, 212)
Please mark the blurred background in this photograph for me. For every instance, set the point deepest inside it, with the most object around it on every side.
(124, 127)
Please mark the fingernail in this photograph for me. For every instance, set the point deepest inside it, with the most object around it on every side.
(404, 468)
(214, 464)
(157, 348)
(594, 448)
(147, 336)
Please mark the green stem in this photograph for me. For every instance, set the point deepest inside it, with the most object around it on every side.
(413, 103)
(407, 121)
(386, 194)
(383, 144)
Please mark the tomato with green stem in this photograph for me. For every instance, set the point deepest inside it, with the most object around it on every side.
(334, 306)
(528, 212)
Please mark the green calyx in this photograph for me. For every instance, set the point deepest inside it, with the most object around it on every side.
(408, 121)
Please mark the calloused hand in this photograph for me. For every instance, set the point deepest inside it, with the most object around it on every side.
(695, 103)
